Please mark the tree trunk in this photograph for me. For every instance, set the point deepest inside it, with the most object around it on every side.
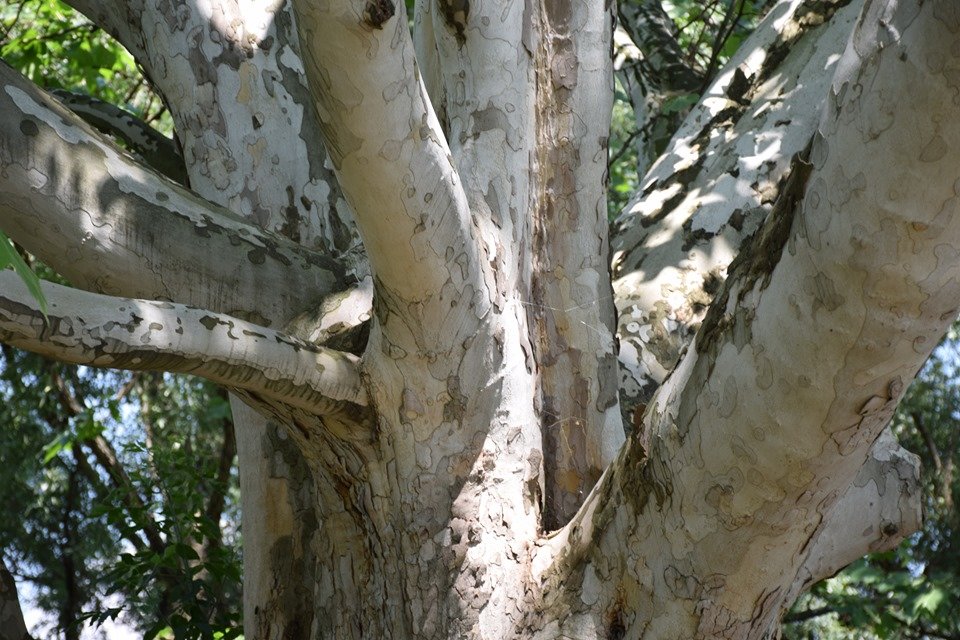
(463, 472)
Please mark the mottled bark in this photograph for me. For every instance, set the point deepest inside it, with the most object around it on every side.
(678, 237)
(157, 150)
(756, 435)
(142, 335)
(130, 232)
(410, 492)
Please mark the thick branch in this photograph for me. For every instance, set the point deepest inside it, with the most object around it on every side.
(802, 359)
(715, 185)
(653, 32)
(388, 149)
(572, 312)
(158, 151)
(879, 510)
(141, 335)
(82, 206)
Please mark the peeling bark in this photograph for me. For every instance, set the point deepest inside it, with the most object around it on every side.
(410, 491)
(571, 308)
(130, 232)
(142, 335)
(755, 435)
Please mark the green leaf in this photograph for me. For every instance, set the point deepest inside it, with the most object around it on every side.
(57, 445)
(929, 601)
(10, 257)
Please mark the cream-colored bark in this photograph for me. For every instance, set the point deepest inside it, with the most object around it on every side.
(423, 516)
(232, 76)
(132, 233)
(756, 434)
(715, 184)
(144, 335)
(571, 307)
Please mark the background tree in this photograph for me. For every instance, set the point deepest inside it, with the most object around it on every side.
(409, 492)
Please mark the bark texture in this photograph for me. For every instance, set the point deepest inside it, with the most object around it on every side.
(429, 428)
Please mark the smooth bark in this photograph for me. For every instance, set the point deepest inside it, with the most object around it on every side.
(474, 168)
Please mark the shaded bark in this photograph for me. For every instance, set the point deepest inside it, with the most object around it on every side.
(476, 180)
(12, 626)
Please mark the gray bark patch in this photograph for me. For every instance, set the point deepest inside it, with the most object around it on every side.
(455, 14)
(29, 128)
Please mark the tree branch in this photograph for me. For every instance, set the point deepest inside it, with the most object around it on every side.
(388, 149)
(141, 335)
(921, 426)
(879, 510)
(571, 305)
(714, 185)
(809, 614)
(119, 19)
(102, 492)
(756, 434)
(158, 151)
(217, 497)
(106, 457)
(653, 32)
(74, 200)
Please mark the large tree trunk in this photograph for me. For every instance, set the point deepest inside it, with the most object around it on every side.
(463, 473)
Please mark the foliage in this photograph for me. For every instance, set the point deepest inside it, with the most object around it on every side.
(9, 257)
(126, 488)
(125, 507)
(58, 48)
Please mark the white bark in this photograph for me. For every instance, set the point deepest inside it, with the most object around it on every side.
(756, 434)
(485, 230)
(158, 151)
(679, 239)
(143, 335)
(715, 185)
(130, 232)
(232, 77)
(873, 515)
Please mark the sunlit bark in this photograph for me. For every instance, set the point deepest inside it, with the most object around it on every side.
(411, 492)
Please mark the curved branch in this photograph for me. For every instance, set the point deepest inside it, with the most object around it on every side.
(825, 317)
(157, 150)
(388, 149)
(142, 335)
(880, 509)
(82, 206)
(118, 18)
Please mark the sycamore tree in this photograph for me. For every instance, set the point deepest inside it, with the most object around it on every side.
(393, 249)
